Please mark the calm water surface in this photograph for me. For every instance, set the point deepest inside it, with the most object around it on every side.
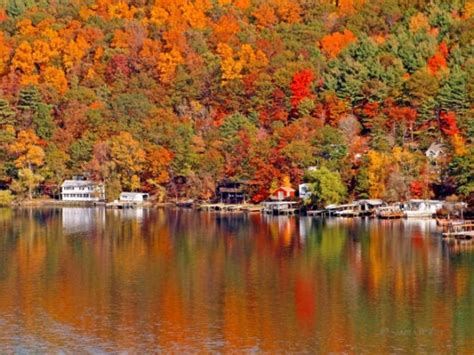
(92, 280)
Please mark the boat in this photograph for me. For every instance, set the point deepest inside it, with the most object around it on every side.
(252, 208)
(422, 208)
(390, 214)
(185, 203)
(346, 210)
(368, 207)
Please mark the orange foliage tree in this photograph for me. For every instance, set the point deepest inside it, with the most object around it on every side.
(334, 43)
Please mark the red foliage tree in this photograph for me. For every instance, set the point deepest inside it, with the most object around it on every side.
(438, 61)
(443, 49)
(448, 123)
(118, 65)
(399, 114)
(367, 112)
(301, 86)
(417, 188)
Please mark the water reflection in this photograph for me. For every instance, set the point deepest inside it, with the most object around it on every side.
(97, 280)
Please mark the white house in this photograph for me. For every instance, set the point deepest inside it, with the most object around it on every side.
(304, 191)
(82, 190)
(434, 151)
(134, 197)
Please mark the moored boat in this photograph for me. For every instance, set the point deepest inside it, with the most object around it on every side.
(185, 203)
(390, 214)
(422, 208)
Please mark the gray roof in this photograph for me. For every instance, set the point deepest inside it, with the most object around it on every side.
(373, 202)
(436, 147)
(78, 183)
(133, 193)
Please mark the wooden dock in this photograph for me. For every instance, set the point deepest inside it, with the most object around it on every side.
(229, 208)
(281, 207)
(316, 212)
(121, 205)
(464, 231)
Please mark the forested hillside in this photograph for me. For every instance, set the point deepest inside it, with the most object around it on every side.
(171, 97)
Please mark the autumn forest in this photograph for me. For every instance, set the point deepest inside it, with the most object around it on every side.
(172, 97)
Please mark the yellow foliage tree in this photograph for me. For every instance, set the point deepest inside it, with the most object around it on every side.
(225, 29)
(25, 27)
(74, 52)
(158, 15)
(127, 156)
(23, 58)
(242, 4)
(41, 52)
(4, 53)
(121, 10)
(167, 63)
(85, 12)
(288, 11)
(27, 150)
(180, 14)
(459, 146)
(99, 53)
(286, 181)
(150, 51)
(158, 160)
(29, 79)
(121, 39)
(377, 173)
(468, 9)
(195, 13)
(56, 78)
(419, 22)
(252, 59)
(233, 66)
(265, 15)
(230, 68)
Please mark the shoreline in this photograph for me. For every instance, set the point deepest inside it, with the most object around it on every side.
(85, 204)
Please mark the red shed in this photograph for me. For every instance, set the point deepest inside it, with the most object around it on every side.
(282, 193)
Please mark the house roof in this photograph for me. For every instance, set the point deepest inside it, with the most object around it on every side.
(435, 147)
(373, 202)
(335, 207)
(428, 202)
(133, 193)
(284, 188)
(78, 183)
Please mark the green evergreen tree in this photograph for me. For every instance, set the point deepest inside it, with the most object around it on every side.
(43, 122)
(453, 94)
(461, 170)
(6, 113)
(29, 98)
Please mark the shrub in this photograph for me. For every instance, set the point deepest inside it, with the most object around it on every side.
(6, 198)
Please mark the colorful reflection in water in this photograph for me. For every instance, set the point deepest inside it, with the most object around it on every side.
(140, 280)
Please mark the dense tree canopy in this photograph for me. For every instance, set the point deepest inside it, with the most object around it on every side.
(177, 95)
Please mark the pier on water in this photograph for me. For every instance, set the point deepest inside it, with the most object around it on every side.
(463, 231)
(224, 207)
(122, 205)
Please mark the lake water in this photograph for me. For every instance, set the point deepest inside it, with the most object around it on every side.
(92, 280)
